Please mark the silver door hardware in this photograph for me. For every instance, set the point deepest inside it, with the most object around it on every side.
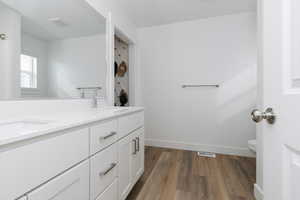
(3, 36)
(138, 144)
(201, 85)
(134, 144)
(269, 115)
(89, 88)
(113, 165)
(108, 136)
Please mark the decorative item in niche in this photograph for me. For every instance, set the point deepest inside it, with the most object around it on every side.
(121, 73)
(116, 68)
(123, 98)
(122, 69)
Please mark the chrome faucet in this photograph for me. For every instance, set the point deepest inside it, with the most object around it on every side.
(95, 99)
(95, 96)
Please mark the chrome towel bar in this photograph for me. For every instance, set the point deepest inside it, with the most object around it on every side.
(202, 85)
(82, 90)
(89, 88)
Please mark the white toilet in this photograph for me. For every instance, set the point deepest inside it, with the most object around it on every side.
(252, 145)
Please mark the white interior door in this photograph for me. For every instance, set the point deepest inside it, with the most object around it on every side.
(280, 89)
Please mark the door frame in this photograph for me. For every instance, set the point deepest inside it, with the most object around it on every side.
(132, 66)
(258, 187)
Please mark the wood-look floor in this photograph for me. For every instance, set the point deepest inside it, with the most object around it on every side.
(182, 175)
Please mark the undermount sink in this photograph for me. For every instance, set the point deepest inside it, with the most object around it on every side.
(21, 127)
(117, 109)
(121, 110)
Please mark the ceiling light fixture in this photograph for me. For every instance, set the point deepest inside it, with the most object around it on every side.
(57, 21)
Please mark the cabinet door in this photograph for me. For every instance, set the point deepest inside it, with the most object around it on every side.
(126, 150)
(141, 153)
(72, 185)
(138, 157)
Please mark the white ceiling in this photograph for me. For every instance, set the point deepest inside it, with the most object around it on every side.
(79, 17)
(157, 12)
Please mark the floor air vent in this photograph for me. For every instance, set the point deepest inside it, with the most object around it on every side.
(206, 154)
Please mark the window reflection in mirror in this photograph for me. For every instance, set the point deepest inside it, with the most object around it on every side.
(28, 71)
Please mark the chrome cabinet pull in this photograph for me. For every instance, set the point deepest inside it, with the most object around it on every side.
(134, 144)
(138, 144)
(108, 136)
(112, 166)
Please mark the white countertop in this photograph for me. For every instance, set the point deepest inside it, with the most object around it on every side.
(50, 123)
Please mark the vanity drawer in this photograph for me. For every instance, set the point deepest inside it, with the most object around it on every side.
(103, 135)
(28, 165)
(103, 170)
(71, 185)
(129, 123)
(111, 193)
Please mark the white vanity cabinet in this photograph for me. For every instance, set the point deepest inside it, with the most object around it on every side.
(131, 161)
(137, 168)
(97, 161)
(27, 165)
(127, 124)
(73, 185)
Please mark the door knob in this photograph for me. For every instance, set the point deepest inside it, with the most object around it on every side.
(3, 36)
(269, 115)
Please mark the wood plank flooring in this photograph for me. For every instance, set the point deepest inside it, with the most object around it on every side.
(182, 175)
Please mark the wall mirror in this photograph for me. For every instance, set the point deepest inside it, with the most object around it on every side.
(51, 49)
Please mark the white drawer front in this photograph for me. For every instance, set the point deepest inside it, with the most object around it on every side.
(103, 170)
(129, 123)
(26, 167)
(72, 185)
(103, 135)
(111, 193)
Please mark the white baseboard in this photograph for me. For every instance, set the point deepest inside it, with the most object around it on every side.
(258, 193)
(200, 147)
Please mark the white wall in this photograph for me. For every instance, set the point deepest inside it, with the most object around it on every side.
(76, 62)
(220, 50)
(35, 47)
(120, 18)
(10, 24)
